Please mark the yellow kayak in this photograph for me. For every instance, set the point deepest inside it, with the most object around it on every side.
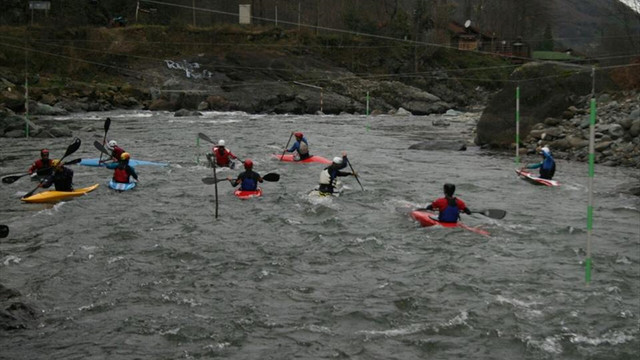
(55, 196)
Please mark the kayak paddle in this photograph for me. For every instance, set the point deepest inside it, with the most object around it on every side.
(354, 174)
(492, 213)
(107, 124)
(4, 231)
(102, 149)
(272, 177)
(47, 170)
(206, 138)
(12, 178)
(286, 146)
(70, 150)
(210, 180)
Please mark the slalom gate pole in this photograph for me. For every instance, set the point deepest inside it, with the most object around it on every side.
(518, 126)
(592, 126)
(197, 150)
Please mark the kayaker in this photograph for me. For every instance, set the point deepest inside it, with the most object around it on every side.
(62, 177)
(248, 179)
(328, 176)
(449, 207)
(222, 155)
(42, 163)
(301, 146)
(547, 165)
(116, 151)
(122, 172)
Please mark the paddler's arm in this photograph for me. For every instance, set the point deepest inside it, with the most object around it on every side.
(47, 182)
(463, 207)
(235, 182)
(534, 166)
(132, 172)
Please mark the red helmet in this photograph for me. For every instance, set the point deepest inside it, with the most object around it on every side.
(248, 164)
(44, 152)
(298, 134)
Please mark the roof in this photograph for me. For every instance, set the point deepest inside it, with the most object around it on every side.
(460, 30)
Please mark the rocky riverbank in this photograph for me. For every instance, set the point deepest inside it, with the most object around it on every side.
(554, 111)
(617, 131)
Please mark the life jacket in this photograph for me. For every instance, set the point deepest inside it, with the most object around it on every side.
(451, 213)
(303, 149)
(222, 157)
(40, 164)
(548, 168)
(63, 180)
(43, 163)
(249, 181)
(121, 175)
(326, 177)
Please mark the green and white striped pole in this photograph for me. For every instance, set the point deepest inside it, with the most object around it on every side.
(367, 103)
(592, 157)
(518, 126)
(198, 150)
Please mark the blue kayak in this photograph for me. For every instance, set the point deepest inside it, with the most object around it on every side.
(132, 162)
(121, 186)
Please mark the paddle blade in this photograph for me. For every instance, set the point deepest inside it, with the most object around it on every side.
(72, 148)
(273, 177)
(107, 124)
(492, 213)
(11, 179)
(211, 181)
(205, 138)
(4, 231)
(101, 148)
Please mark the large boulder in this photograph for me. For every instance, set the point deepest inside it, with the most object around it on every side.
(416, 101)
(36, 108)
(546, 90)
(12, 99)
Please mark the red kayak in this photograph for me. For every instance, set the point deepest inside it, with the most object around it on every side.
(310, 159)
(242, 194)
(526, 175)
(428, 218)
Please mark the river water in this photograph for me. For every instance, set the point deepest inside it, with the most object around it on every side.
(151, 274)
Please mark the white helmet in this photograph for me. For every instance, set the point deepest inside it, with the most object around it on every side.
(337, 160)
(221, 143)
(546, 150)
(113, 143)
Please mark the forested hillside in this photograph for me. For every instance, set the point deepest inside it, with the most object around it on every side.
(597, 28)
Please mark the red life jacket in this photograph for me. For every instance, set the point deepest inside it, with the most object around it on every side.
(117, 152)
(121, 175)
(222, 159)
